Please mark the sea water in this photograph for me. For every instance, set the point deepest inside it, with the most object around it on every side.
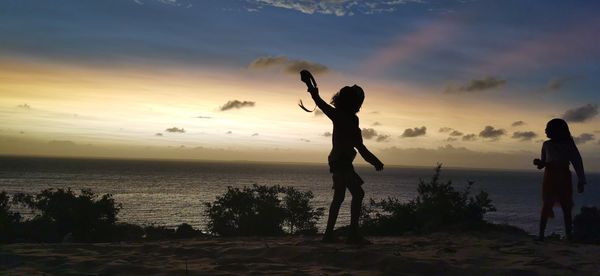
(169, 193)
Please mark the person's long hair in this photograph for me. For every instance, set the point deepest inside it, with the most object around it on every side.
(349, 99)
(558, 130)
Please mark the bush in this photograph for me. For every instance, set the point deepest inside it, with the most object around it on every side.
(85, 216)
(62, 215)
(300, 215)
(438, 206)
(259, 210)
(8, 219)
(586, 225)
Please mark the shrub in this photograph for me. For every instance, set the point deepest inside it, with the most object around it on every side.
(8, 219)
(185, 230)
(300, 215)
(262, 210)
(85, 216)
(586, 225)
(438, 206)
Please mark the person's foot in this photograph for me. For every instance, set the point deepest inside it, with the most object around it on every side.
(569, 237)
(328, 238)
(358, 239)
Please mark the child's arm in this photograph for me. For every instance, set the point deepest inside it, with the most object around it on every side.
(325, 107)
(369, 157)
(578, 166)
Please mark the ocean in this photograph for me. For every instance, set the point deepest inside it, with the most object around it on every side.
(169, 193)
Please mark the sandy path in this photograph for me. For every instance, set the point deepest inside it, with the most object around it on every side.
(436, 254)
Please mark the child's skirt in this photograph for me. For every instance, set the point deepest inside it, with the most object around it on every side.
(557, 188)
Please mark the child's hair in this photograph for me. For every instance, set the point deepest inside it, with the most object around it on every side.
(349, 98)
(558, 130)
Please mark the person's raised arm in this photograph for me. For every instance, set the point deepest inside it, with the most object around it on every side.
(325, 107)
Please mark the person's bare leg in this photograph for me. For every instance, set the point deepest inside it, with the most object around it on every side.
(568, 222)
(546, 209)
(334, 210)
(356, 207)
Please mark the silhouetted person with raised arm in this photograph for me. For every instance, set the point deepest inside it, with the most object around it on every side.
(346, 137)
(557, 153)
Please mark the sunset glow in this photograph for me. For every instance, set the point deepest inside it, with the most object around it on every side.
(159, 90)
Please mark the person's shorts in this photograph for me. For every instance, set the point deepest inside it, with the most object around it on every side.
(346, 178)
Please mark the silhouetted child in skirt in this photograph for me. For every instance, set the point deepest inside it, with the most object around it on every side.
(346, 137)
(557, 153)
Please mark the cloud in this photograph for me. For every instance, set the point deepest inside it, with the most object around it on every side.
(581, 114)
(524, 135)
(445, 129)
(158, 134)
(336, 7)
(382, 138)
(368, 133)
(456, 133)
(376, 124)
(477, 85)
(518, 123)
(24, 106)
(228, 132)
(236, 104)
(254, 134)
(327, 134)
(583, 138)
(304, 140)
(469, 137)
(414, 132)
(203, 117)
(451, 139)
(175, 130)
(556, 84)
(289, 66)
(491, 133)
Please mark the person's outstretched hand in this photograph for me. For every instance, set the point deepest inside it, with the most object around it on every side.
(378, 166)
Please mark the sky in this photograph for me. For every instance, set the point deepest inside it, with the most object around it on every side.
(465, 83)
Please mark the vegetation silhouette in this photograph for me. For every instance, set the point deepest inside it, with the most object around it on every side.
(437, 207)
(60, 212)
(262, 211)
(65, 216)
(8, 219)
(586, 226)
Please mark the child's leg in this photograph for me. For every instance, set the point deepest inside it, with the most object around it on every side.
(356, 206)
(546, 210)
(334, 209)
(568, 220)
